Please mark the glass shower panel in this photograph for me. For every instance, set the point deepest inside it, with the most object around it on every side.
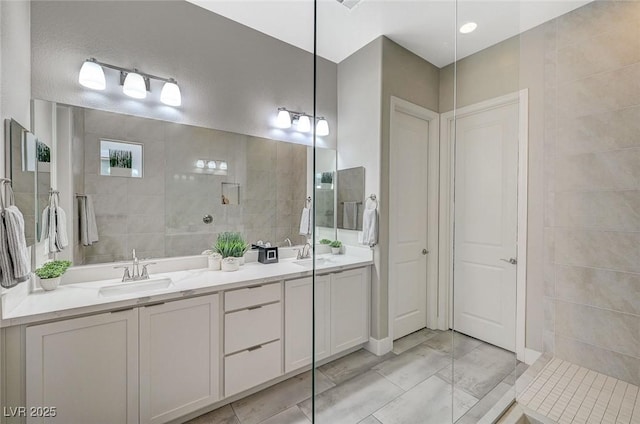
(486, 132)
(382, 345)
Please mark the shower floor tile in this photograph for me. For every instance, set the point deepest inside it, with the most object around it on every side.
(569, 394)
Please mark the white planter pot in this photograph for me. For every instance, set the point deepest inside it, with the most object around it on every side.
(335, 250)
(230, 264)
(241, 260)
(49, 284)
(214, 261)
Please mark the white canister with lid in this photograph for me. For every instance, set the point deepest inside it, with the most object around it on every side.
(230, 264)
(214, 260)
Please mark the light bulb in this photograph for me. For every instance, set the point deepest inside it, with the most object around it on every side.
(322, 127)
(211, 164)
(170, 94)
(200, 163)
(135, 86)
(304, 124)
(284, 119)
(468, 27)
(223, 165)
(92, 76)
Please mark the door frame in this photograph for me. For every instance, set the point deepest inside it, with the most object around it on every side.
(446, 247)
(433, 152)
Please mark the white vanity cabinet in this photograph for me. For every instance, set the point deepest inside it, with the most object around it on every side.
(349, 309)
(252, 336)
(342, 315)
(87, 368)
(179, 358)
(299, 318)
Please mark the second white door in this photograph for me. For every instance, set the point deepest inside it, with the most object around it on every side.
(408, 190)
(486, 177)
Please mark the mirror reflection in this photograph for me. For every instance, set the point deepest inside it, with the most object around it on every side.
(350, 198)
(151, 192)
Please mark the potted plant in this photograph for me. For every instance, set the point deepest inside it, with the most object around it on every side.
(335, 247)
(326, 179)
(325, 241)
(231, 245)
(50, 274)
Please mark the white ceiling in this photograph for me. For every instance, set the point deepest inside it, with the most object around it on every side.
(426, 27)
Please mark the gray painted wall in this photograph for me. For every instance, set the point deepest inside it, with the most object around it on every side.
(15, 66)
(232, 77)
(359, 94)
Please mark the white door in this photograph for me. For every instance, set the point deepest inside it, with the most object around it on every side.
(485, 202)
(408, 204)
(179, 358)
(87, 368)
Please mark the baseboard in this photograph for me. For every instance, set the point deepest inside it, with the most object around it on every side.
(531, 356)
(379, 347)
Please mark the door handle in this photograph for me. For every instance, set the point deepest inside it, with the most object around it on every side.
(512, 261)
(425, 251)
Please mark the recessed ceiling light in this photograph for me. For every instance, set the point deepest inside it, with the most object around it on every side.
(468, 27)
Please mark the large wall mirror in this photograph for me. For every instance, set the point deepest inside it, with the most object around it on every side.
(167, 189)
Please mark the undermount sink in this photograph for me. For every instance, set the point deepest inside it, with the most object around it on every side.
(135, 287)
(309, 262)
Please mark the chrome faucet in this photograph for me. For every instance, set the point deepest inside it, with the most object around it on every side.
(288, 241)
(136, 270)
(305, 252)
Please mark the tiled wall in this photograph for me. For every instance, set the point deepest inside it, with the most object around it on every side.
(592, 194)
(161, 214)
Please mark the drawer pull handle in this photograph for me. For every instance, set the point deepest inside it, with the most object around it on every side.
(254, 308)
(251, 349)
(254, 287)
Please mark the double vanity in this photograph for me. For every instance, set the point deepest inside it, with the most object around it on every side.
(186, 341)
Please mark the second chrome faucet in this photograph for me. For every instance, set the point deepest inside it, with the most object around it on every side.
(137, 275)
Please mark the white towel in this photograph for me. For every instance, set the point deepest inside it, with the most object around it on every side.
(370, 225)
(350, 216)
(54, 226)
(15, 266)
(305, 222)
(88, 226)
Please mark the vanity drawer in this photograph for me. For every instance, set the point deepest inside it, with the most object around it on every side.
(250, 368)
(251, 327)
(250, 296)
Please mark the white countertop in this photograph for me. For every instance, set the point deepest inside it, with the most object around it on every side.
(82, 298)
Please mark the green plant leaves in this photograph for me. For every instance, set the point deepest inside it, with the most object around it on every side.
(52, 269)
(230, 244)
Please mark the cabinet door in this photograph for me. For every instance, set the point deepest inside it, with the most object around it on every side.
(349, 309)
(298, 321)
(87, 368)
(179, 358)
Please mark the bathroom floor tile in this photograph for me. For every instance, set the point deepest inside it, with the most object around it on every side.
(479, 371)
(370, 420)
(292, 415)
(480, 409)
(413, 366)
(352, 365)
(427, 403)
(354, 400)
(224, 415)
(413, 340)
(461, 344)
(275, 399)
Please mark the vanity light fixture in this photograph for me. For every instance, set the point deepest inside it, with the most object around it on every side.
(304, 124)
(134, 83)
(211, 164)
(223, 165)
(200, 164)
(322, 127)
(301, 122)
(92, 75)
(284, 118)
(468, 27)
